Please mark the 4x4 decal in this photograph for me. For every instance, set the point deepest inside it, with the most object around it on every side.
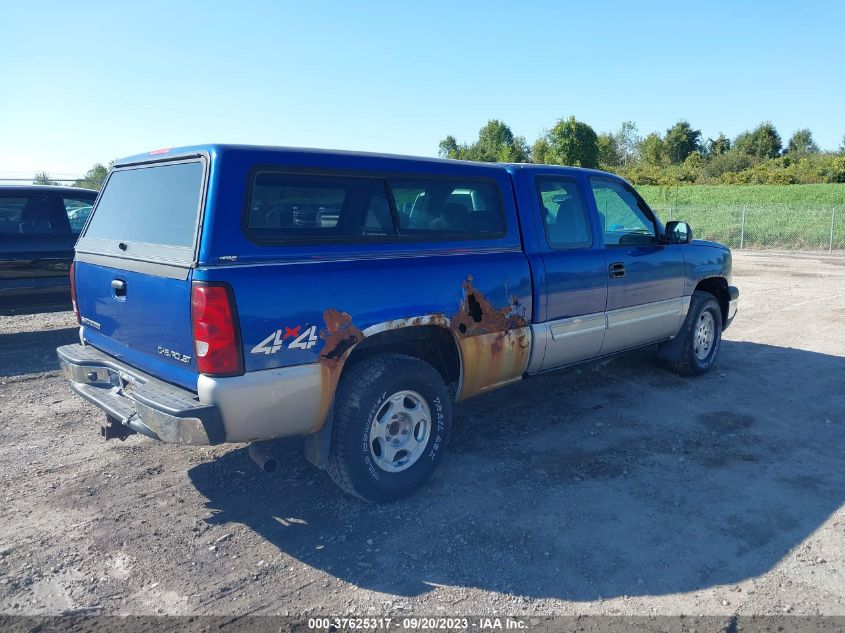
(276, 341)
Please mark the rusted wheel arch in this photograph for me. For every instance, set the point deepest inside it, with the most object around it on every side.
(427, 340)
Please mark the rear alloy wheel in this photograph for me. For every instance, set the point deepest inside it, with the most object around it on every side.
(399, 431)
(392, 416)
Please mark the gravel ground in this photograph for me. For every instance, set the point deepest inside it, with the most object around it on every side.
(614, 488)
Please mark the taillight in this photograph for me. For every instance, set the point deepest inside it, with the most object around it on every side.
(73, 291)
(216, 342)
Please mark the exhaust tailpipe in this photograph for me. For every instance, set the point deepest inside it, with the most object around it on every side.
(260, 456)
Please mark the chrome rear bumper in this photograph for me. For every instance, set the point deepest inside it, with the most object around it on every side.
(144, 404)
(258, 405)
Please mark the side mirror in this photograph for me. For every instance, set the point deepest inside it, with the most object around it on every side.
(678, 232)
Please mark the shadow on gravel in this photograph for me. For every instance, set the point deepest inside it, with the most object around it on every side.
(31, 352)
(13, 310)
(616, 479)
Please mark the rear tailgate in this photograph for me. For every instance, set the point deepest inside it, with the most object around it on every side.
(134, 262)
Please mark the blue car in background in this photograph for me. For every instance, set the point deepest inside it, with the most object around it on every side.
(38, 229)
(240, 294)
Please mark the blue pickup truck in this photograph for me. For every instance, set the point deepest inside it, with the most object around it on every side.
(239, 294)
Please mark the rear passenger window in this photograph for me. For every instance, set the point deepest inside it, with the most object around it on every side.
(447, 207)
(25, 215)
(77, 210)
(287, 207)
(564, 213)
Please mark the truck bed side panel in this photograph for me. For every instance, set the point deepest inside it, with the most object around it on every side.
(319, 299)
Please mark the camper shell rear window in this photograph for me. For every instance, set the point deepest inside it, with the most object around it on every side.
(148, 211)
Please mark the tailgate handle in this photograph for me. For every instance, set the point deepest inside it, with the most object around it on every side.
(119, 287)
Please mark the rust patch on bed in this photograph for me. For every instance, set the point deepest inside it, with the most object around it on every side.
(340, 336)
(494, 342)
(477, 315)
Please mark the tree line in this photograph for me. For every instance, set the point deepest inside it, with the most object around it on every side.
(681, 155)
(93, 178)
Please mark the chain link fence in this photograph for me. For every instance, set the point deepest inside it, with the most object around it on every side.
(764, 226)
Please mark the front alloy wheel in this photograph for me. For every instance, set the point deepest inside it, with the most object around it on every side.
(705, 335)
(701, 334)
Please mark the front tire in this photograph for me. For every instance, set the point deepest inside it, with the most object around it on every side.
(392, 417)
(702, 335)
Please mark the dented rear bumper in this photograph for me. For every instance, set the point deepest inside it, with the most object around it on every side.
(144, 404)
(257, 405)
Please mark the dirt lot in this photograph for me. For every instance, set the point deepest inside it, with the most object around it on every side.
(616, 488)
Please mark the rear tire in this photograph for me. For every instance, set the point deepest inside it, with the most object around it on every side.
(702, 336)
(392, 417)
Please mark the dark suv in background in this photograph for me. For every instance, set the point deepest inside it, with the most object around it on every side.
(38, 229)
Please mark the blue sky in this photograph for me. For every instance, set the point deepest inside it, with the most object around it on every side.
(105, 80)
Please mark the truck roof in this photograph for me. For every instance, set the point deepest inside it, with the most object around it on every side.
(560, 168)
(57, 188)
(364, 159)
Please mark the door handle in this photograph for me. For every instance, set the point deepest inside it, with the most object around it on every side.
(617, 269)
(119, 287)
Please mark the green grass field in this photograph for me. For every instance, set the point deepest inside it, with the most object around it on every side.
(795, 217)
